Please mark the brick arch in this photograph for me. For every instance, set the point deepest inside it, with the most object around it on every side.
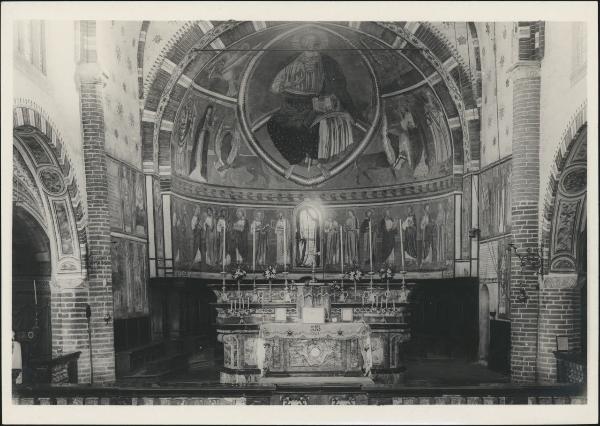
(140, 57)
(27, 113)
(566, 146)
(166, 88)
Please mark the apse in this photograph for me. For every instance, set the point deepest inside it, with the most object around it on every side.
(319, 106)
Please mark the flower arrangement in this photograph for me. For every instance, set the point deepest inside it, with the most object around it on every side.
(238, 274)
(270, 273)
(386, 272)
(335, 287)
(355, 274)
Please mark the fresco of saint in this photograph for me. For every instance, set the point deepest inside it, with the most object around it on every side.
(282, 233)
(260, 229)
(222, 230)
(308, 238)
(428, 232)
(239, 237)
(388, 228)
(332, 241)
(351, 239)
(409, 229)
(366, 248)
(440, 234)
(315, 118)
(210, 238)
(198, 235)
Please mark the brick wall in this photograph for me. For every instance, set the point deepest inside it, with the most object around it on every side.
(99, 242)
(69, 327)
(524, 212)
(560, 315)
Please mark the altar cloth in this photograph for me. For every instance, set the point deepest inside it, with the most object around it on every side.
(270, 332)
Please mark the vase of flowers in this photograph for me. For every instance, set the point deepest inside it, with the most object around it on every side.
(386, 273)
(238, 274)
(355, 275)
(270, 273)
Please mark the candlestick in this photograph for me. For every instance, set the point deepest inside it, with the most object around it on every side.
(370, 247)
(284, 245)
(401, 242)
(223, 247)
(342, 250)
(239, 288)
(254, 248)
(35, 293)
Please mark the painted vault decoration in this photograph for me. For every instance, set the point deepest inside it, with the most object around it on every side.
(312, 105)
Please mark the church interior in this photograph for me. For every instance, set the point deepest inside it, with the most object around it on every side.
(299, 213)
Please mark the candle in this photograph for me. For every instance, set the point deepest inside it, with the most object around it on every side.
(254, 246)
(223, 245)
(342, 249)
(231, 304)
(35, 292)
(284, 245)
(248, 305)
(370, 247)
(401, 242)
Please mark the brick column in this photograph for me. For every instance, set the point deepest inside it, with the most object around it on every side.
(560, 315)
(98, 231)
(525, 179)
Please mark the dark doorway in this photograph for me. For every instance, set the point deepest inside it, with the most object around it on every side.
(31, 316)
(445, 322)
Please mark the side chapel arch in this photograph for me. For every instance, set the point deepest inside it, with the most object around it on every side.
(565, 205)
(54, 198)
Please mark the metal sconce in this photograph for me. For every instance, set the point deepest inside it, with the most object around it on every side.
(530, 259)
(533, 259)
(474, 232)
(522, 297)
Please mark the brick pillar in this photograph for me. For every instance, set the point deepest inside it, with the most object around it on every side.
(525, 194)
(69, 325)
(560, 315)
(98, 230)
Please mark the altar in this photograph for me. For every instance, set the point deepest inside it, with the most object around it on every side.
(312, 330)
(327, 349)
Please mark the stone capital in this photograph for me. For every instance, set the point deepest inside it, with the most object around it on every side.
(90, 72)
(66, 281)
(524, 69)
(559, 281)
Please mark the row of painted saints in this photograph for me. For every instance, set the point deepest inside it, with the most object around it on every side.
(316, 123)
(313, 241)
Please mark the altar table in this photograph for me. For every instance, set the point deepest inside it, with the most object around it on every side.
(332, 349)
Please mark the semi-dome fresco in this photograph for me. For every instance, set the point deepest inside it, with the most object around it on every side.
(288, 107)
